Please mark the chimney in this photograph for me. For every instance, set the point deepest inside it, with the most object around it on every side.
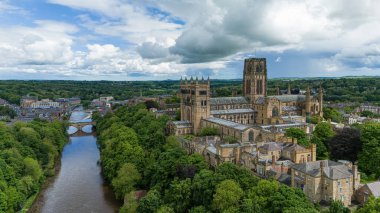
(356, 178)
(273, 160)
(283, 169)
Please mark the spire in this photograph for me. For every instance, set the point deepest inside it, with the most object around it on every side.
(180, 83)
(208, 80)
(185, 80)
(289, 90)
(196, 79)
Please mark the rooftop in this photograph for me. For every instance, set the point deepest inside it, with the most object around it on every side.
(375, 188)
(227, 123)
(231, 111)
(289, 98)
(228, 100)
(182, 124)
(331, 169)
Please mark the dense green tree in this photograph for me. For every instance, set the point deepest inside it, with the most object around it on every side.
(178, 196)
(345, 145)
(208, 131)
(126, 179)
(338, 207)
(150, 203)
(332, 114)
(370, 154)
(227, 195)
(371, 206)
(299, 134)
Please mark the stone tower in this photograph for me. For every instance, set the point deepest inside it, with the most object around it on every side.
(308, 102)
(255, 78)
(320, 100)
(195, 101)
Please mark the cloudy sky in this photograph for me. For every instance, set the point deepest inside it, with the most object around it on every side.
(166, 39)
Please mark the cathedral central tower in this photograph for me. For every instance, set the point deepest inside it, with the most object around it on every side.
(255, 78)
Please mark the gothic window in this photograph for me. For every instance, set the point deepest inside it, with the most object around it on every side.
(259, 68)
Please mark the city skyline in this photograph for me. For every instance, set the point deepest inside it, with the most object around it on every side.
(158, 40)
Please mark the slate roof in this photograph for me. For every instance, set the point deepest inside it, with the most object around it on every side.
(333, 170)
(227, 123)
(289, 98)
(231, 111)
(271, 146)
(228, 100)
(292, 147)
(182, 124)
(260, 100)
(375, 188)
(290, 108)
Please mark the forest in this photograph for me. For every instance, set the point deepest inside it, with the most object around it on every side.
(336, 89)
(136, 155)
(28, 152)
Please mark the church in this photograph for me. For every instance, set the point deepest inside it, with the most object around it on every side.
(253, 117)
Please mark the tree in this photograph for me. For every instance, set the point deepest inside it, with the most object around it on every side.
(371, 206)
(203, 187)
(228, 194)
(370, 154)
(299, 134)
(367, 113)
(179, 195)
(127, 177)
(150, 203)
(209, 131)
(332, 114)
(345, 145)
(338, 207)
(32, 168)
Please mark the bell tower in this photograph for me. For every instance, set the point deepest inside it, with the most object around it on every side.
(195, 101)
(255, 78)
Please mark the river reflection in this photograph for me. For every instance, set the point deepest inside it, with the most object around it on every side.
(79, 186)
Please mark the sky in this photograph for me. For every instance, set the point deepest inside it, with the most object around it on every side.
(169, 39)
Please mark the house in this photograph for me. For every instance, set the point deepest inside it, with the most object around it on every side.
(326, 180)
(368, 190)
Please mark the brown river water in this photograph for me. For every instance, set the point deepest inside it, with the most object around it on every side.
(79, 185)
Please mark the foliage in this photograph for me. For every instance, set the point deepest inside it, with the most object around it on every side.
(371, 206)
(227, 195)
(209, 131)
(370, 154)
(299, 134)
(230, 139)
(7, 111)
(126, 178)
(321, 136)
(332, 114)
(338, 207)
(345, 145)
(27, 155)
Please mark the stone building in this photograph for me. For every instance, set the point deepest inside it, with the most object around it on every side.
(367, 190)
(326, 180)
(242, 117)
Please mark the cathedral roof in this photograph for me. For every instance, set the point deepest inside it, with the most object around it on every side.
(289, 98)
(231, 111)
(182, 124)
(228, 100)
(227, 123)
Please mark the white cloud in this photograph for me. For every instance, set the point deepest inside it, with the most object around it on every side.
(338, 36)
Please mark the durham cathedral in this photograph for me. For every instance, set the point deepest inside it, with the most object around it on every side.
(249, 117)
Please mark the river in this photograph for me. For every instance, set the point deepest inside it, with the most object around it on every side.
(79, 185)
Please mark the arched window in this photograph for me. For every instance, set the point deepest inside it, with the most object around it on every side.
(274, 111)
(251, 135)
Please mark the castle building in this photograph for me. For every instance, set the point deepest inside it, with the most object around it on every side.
(244, 117)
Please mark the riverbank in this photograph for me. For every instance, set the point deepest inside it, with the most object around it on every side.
(39, 200)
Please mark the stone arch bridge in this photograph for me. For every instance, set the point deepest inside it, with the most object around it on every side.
(79, 126)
